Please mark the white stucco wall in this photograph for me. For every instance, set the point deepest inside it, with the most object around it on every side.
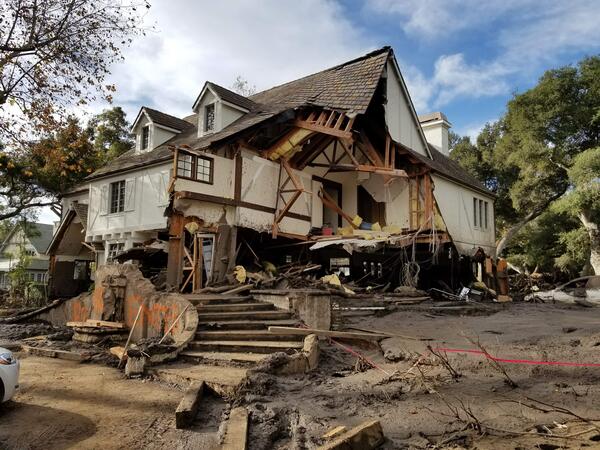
(143, 209)
(228, 115)
(223, 179)
(456, 205)
(398, 114)
(157, 134)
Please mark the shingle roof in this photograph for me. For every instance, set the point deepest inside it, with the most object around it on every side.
(167, 120)
(449, 168)
(232, 97)
(81, 209)
(348, 86)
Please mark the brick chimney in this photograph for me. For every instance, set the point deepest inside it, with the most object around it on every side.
(435, 126)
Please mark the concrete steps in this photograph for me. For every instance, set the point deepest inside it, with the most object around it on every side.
(249, 335)
(246, 346)
(245, 324)
(233, 330)
(235, 307)
(223, 357)
(215, 299)
(243, 315)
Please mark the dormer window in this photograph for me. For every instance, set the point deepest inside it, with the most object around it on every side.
(209, 117)
(145, 137)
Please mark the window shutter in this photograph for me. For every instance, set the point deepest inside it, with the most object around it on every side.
(163, 185)
(103, 199)
(130, 194)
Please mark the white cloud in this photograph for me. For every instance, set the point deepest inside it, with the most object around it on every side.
(434, 19)
(268, 42)
(531, 37)
(454, 77)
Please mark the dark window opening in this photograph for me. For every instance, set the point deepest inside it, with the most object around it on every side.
(209, 117)
(117, 196)
(145, 137)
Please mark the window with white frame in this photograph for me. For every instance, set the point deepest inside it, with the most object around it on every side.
(114, 249)
(185, 165)
(209, 117)
(480, 213)
(204, 169)
(117, 196)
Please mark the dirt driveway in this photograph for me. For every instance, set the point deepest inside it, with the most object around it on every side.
(64, 404)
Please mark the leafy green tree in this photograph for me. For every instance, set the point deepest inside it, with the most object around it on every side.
(109, 132)
(544, 129)
(583, 200)
(37, 173)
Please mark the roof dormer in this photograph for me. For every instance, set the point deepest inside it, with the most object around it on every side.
(153, 128)
(218, 107)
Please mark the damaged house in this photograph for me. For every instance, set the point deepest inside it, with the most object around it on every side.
(334, 168)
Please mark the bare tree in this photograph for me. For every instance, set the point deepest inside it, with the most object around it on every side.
(57, 53)
(243, 87)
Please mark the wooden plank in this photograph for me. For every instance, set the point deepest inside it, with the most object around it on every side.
(335, 431)
(238, 289)
(236, 434)
(106, 323)
(329, 333)
(188, 407)
(366, 436)
(119, 352)
(322, 129)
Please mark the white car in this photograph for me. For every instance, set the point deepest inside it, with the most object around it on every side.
(9, 375)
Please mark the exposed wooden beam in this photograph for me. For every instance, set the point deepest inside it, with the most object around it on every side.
(323, 129)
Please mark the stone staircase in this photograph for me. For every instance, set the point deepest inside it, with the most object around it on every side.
(234, 329)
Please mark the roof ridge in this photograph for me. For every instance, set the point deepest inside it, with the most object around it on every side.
(372, 53)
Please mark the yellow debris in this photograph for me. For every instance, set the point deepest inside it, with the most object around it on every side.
(334, 280)
(357, 221)
(192, 227)
(376, 227)
(240, 274)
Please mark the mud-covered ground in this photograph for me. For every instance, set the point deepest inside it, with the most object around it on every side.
(419, 402)
(423, 406)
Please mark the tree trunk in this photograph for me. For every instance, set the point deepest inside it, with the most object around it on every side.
(513, 230)
(594, 234)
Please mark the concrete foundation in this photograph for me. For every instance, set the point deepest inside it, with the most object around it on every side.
(159, 309)
(312, 306)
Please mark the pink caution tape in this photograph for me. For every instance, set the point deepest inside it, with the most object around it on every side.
(517, 361)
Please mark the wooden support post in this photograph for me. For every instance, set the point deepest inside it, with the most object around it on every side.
(175, 260)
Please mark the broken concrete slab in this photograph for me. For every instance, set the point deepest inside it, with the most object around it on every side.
(56, 353)
(236, 434)
(188, 407)
(224, 381)
(366, 436)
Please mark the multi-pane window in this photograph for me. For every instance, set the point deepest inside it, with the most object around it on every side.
(185, 165)
(145, 137)
(117, 196)
(480, 213)
(209, 117)
(204, 169)
(115, 249)
(199, 168)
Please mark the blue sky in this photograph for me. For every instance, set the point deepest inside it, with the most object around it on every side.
(463, 57)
